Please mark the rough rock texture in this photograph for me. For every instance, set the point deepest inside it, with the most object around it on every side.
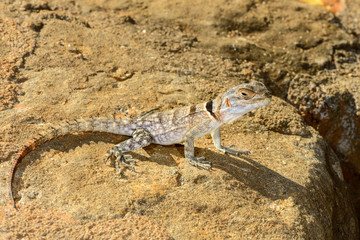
(66, 59)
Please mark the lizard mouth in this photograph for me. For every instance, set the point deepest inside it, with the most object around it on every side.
(267, 100)
(263, 100)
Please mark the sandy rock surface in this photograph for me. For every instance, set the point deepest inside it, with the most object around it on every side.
(64, 60)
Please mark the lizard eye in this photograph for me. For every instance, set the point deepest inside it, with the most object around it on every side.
(246, 93)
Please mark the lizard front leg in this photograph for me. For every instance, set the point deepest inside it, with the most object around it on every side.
(189, 155)
(140, 138)
(217, 142)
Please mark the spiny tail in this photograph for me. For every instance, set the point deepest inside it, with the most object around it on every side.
(110, 125)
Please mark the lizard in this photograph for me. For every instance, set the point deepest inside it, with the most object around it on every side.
(184, 124)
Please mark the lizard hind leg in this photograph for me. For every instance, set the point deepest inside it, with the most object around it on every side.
(140, 138)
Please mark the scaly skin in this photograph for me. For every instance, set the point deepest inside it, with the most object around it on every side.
(165, 128)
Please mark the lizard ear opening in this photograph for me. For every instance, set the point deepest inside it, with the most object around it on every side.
(227, 102)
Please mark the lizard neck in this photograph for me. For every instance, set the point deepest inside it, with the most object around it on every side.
(228, 116)
(213, 109)
(222, 113)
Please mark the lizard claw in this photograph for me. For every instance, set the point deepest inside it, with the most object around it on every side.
(108, 156)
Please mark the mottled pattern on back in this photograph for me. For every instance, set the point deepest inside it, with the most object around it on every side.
(170, 126)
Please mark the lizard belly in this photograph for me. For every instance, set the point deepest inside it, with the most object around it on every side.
(169, 137)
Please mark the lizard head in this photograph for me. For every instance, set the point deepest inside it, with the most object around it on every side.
(242, 99)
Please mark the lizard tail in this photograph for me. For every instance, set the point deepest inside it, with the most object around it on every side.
(94, 124)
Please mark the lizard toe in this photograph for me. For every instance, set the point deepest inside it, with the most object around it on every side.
(129, 159)
(125, 160)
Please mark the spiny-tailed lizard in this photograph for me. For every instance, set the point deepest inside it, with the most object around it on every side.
(183, 124)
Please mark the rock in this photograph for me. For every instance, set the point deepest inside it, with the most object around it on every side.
(80, 59)
(301, 198)
(329, 105)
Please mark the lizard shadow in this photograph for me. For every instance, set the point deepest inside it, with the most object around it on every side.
(256, 176)
(243, 168)
(252, 174)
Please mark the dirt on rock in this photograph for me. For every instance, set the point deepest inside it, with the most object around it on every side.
(63, 59)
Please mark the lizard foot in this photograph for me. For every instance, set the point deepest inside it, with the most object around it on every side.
(197, 162)
(120, 157)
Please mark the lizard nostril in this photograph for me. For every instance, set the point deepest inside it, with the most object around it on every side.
(267, 94)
